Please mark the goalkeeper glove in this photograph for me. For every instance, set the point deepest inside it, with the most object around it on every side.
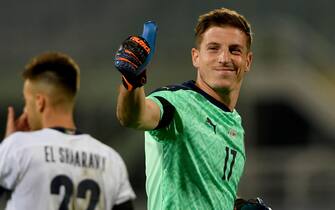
(134, 55)
(251, 204)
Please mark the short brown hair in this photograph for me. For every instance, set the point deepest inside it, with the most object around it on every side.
(56, 69)
(222, 17)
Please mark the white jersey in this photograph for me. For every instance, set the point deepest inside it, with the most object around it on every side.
(51, 170)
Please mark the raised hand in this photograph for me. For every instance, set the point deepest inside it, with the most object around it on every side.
(134, 55)
(14, 125)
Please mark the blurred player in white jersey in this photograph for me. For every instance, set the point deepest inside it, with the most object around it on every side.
(45, 162)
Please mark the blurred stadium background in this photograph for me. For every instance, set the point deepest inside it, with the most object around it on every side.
(287, 102)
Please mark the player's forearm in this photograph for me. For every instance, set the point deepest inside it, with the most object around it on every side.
(135, 111)
(129, 105)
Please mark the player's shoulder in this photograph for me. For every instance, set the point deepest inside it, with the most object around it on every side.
(19, 137)
(112, 155)
(191, 90)
(32, 136)
(99, 145)
(18, 140)
(188, 85)
(173, 93)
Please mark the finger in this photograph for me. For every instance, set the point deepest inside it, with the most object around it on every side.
(10, 127)
(149, 34)
(26, 126)
(22, 122)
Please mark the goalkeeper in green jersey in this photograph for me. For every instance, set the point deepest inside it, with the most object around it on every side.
(194, 146)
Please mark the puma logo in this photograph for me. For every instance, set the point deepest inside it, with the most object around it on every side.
(209, 121)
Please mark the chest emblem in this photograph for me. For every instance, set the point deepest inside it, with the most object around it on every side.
(232, 133)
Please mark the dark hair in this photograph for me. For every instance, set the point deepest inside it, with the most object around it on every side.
(222, 17)
(54, 68)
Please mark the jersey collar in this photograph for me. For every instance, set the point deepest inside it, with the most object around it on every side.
(192, 86)
(67, 130)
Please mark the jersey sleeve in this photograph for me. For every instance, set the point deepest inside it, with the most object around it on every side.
(9, 163)
(125, 191)
(170, 123)
(166, 111)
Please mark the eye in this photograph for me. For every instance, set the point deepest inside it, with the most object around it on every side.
(213, 48)
(236, 51)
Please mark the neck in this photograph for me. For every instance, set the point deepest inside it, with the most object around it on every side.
(58, 119)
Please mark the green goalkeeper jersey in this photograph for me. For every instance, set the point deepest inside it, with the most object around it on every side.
(195, 157)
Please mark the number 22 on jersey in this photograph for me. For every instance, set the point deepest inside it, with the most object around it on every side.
(85, 185)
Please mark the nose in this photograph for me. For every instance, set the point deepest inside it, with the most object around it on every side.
(224, 56)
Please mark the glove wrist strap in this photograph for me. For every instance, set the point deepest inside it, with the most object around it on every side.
(127, 84)
(131, 84)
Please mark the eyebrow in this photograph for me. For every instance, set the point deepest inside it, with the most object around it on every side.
(236, 46)
(232, 45)
(212, 43)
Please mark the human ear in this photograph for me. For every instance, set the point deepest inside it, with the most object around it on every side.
(195, 57)
(40, 102)
(249, 61)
